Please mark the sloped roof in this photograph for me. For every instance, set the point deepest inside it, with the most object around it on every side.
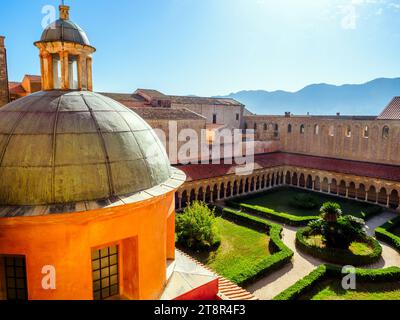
(204, 100)
(16, 88)
(373, 170)
(124, 96)
(392, 111)
(167, 114)
(33, 78)
(154, 94)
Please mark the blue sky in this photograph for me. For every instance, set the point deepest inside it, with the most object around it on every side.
(212, 47)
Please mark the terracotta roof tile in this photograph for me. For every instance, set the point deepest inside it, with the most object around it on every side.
(392, 111)
(16, 88)
(204, 100)
(167, 114)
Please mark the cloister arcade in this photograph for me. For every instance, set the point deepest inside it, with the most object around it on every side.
(382, 192)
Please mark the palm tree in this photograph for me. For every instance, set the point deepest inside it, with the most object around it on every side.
(331, 211)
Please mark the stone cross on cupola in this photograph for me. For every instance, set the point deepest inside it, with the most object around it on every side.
(65, 55)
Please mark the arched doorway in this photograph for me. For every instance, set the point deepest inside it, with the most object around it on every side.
(294, 179)
(334, 186)
(325, 185)
(352, 190)
(317, 185)
(342, 188)
(287, 178)
(394, 199)
(361, 193)
(382, 196)
(372, 196)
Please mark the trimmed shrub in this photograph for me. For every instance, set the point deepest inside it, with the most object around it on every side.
(336, 255)
(303, 285)
(278, 216)
(384, 233)
(281, 253)
(196, 227)
(323, 272)
(238, 203)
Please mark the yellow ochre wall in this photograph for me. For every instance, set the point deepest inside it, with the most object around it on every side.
(65, 241)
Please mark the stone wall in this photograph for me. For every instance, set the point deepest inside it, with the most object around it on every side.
(164, 126)
(226, 115)
(360, 139)
(4, 96)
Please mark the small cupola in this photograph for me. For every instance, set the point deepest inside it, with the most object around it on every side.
(65, 55)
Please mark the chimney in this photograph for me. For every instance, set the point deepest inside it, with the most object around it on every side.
(287, 114)
(338, 114)
(4, 93)
(64, 12)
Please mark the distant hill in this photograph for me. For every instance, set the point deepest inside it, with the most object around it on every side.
(351, 99)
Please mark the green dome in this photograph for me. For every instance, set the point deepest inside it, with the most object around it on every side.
(65, 30)
(59, 147)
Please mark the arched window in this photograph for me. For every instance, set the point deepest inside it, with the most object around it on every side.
(276, 130)
(289, 128)
(302, 129)
(316, 129)
(332, 131)
(348, 131)
(265, 127)
(366, 132)
(385, 132)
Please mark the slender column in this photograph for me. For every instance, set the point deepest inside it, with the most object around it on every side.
(347, 192)
(377, 198)
(180, 202)
(388, 201)
(47, 71)
(64, 70)
(89, 74)
(79, 64)
(329, 188)
(313, 184)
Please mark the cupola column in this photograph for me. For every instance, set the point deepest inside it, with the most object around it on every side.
(89, 74)
(46, 63)
(65, 85)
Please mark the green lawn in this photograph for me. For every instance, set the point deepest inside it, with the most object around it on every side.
(332, 290)
(240, 251)
(279, 200)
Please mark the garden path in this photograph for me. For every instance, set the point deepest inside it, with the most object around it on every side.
(270, 286)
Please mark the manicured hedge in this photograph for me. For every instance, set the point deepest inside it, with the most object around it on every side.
(281, 253)
(338, 256)
(384, 233)
(278, 216)
(328, 271)
(287, 218)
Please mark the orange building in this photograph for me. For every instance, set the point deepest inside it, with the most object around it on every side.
(86, 188)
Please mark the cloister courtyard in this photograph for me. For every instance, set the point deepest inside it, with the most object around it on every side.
(260, 247)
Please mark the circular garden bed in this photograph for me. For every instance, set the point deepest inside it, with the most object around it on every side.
(361, 252)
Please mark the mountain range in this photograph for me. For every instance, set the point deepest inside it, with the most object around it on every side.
(369, 98)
